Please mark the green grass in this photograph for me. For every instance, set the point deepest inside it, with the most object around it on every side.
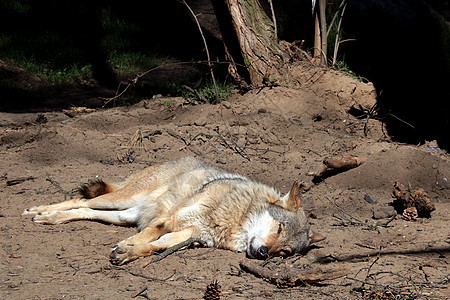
(132, 62)
(60, 54)
(224, 89)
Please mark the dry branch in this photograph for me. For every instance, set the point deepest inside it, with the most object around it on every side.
(291, 276)
(338, 162)
(172, 250)
(18, 180)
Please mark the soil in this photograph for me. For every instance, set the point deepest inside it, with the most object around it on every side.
(274, 135)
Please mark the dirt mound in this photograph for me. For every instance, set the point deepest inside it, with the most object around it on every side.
(274, 135)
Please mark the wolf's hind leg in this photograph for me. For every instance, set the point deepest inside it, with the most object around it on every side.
(117, 217)
(65, 205)
(124, 253)
(122, 199)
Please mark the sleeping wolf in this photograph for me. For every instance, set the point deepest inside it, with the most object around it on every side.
(189, 198)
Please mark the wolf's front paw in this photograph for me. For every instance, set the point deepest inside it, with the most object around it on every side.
(48, 217)
(122, 254)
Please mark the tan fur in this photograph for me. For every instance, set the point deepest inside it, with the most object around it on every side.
(186, 198)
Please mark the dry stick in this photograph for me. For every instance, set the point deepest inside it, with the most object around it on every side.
(141, 293)
(200, 97)
(172, 250)
(142, 275)
(364, 255)
(206, 49)
(18, 180)
(291, 277)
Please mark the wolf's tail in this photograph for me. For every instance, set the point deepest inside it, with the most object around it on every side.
(95, 188)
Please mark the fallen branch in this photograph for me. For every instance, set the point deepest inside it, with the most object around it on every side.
(18, 180)
(362, 256)
(338, 162)
(291, 276)
(172, 250)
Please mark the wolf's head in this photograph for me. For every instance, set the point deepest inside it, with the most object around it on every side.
(281, 229)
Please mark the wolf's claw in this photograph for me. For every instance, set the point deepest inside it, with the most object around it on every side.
(121, 254)
(31, 211)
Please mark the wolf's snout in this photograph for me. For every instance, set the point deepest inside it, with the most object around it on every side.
(263, 252)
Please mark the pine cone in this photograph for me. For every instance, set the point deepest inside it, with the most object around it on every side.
(212, 291)
(410, 214)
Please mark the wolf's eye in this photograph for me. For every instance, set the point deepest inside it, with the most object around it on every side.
(285, 252)
(280, 228)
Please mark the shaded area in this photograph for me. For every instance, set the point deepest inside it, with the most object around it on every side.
(97, 42)
(403, 47)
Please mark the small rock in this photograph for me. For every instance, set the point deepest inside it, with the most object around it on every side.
(370, 199)
(383, 212)
(200, 122)
(262, 111)
(443, 183)
(226, 104)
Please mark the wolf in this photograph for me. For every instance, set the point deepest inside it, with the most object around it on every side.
(189, 198)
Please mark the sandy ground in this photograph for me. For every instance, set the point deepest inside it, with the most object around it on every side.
(274, 135)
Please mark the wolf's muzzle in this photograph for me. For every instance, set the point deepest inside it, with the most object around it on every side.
(261, 252)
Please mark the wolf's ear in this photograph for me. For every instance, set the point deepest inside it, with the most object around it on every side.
(315, 237)
(291, 201)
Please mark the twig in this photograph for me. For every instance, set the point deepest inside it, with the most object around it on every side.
(18, 180)
(137, 142)
(143, 276)
(238, 148)
(348, 218)
(141, 293)
(365, 246)
(310, 150)
(401, 120)
(403, 287)
(172, 250)
(58, 186)
(76, 269)
(199, 96)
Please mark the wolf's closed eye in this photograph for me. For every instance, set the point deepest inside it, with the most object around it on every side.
(280, 228)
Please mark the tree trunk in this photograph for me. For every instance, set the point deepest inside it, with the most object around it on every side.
(323, 29)
(320, 32)
(317, 42)
(250, 41)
